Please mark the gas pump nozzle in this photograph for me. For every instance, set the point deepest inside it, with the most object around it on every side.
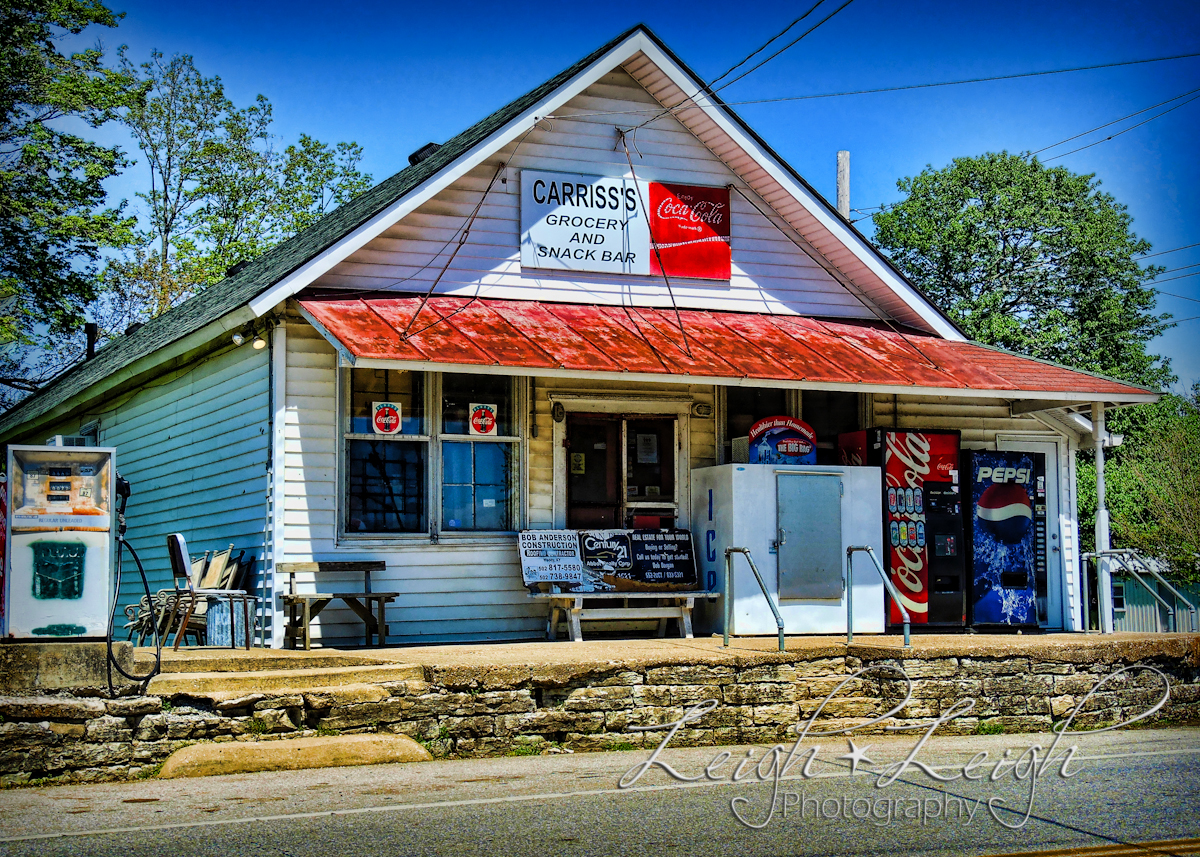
(123, 491)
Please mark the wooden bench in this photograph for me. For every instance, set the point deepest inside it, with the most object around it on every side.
(571, 606)
(303, 608)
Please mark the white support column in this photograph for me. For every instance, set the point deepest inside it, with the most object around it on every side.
(1103, 543)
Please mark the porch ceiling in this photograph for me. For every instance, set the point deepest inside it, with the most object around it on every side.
(540, 338)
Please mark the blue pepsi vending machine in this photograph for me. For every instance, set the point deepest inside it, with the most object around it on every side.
(1006, 537)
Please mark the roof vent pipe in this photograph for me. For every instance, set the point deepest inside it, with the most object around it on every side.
(843, 184)
(423, 153)
(92, 331)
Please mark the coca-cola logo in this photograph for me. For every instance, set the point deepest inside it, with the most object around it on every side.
(691, 212)
(911, 450)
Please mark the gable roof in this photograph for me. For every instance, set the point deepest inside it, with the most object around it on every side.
(285, 269)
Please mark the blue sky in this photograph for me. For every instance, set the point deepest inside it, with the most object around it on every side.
(393, 76)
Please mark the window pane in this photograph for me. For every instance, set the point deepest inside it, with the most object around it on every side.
(491, 463)
(385, 486)
(829, 412)
(476, 485)
(459, 392)
(407, 389)
(458, 508)
(456, 461)
(491, 507)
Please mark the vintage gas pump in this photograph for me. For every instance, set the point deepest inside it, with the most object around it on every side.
(60, 531)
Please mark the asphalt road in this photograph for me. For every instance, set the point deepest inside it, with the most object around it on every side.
(1127, 786)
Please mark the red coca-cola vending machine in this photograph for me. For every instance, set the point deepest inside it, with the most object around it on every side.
(922, 520)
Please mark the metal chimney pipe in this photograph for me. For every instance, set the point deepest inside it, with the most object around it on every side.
(843, 183)
(92, 331)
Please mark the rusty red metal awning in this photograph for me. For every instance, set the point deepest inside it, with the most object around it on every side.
(584, 340)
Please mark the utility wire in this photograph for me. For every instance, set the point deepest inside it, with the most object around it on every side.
(1172, 250)
(712, 91)
(763, 47)
(1180, 268)
(1114, 122)
(1126, 130)
(1173, 295)
(901, 88)
(1180, 277)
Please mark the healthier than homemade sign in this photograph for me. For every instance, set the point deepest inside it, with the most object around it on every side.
(572, 222)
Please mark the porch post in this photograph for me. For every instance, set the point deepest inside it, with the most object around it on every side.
(1103, 543)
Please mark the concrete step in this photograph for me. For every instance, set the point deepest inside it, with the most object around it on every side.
(280, 681)
(214, 660)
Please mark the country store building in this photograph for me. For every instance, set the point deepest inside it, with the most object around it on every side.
(548, 295)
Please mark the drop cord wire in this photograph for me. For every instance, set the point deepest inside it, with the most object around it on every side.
(123, 492)
(654, 244)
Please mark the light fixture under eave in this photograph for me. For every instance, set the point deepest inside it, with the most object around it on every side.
(238, 339)
(259, 343)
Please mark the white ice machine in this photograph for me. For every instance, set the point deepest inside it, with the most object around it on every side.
(797, 521)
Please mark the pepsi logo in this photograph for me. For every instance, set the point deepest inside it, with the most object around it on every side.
(1004, 511)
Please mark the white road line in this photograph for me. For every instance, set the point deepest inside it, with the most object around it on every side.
(545, 796)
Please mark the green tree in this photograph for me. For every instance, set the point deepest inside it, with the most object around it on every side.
(53, 223)
(1153, 483)
(1031, 258)
(219, 193)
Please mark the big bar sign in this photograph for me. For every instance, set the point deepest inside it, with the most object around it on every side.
(572, 222)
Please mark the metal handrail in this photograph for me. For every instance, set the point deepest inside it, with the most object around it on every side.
(1127, 558)
(729, 552)
(850, 551)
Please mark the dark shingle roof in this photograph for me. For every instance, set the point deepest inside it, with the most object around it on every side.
(268, 269)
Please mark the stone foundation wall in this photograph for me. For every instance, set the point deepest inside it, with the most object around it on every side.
(471, 711)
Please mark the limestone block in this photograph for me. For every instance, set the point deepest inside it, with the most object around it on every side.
(652, 695)
(49, 708)
(1052, 668)
(935, 668)
(460, 727)
(691, 674)
(1061, 706)
(785, 673)
(994, 666)
(692, 694)
(292, 701)
(134, 707)
(599, 699)
(274, 720)
(646, 715)
(152, 727)
(603, 741)
(1028, 685)
(543, 721)
(108, 729)
(758, 694)
(821, 667)
(624, 677)
(785, 713)
(371, 714)
(70, 730)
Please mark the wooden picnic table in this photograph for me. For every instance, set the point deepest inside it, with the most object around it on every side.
(302, 608)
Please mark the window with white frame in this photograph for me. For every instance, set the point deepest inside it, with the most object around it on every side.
(429, 453)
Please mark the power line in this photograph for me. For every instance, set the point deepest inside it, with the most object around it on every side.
(1114, 122)
(691, 99)
(1172, 250)
(1125, 130)
(1180, 277)
(904, 87)
(1180, 268)
(763, 47)
(1173, 295)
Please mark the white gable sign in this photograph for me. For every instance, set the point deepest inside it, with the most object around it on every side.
(572, 222)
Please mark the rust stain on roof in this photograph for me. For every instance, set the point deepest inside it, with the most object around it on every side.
(584, 337)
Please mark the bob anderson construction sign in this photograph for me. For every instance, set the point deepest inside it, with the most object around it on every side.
(575, 222)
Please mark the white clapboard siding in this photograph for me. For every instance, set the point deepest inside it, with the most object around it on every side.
(194, 447)
(770, 273)
(447, 592)
(979, 420)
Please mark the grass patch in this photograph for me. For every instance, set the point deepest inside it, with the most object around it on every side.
(326, 731)
(984, 727)
(258, 726)
(623, 746)
(525, 750)
(150, 772)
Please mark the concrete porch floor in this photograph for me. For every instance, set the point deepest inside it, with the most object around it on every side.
(640, 653)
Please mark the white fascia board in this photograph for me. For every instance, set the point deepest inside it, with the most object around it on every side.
(323, 262)
(863, 251)
(652, 378)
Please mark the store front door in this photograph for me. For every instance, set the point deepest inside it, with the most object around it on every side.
(621, 471)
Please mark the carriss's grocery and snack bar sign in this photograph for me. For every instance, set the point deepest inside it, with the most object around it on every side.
(573, 222)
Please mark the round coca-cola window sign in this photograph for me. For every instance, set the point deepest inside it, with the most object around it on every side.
(483, 419)
(385, 417)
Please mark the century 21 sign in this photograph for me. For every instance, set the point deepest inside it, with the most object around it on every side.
(573, 222)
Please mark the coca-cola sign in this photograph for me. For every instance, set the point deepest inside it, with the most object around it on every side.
(575, 222)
